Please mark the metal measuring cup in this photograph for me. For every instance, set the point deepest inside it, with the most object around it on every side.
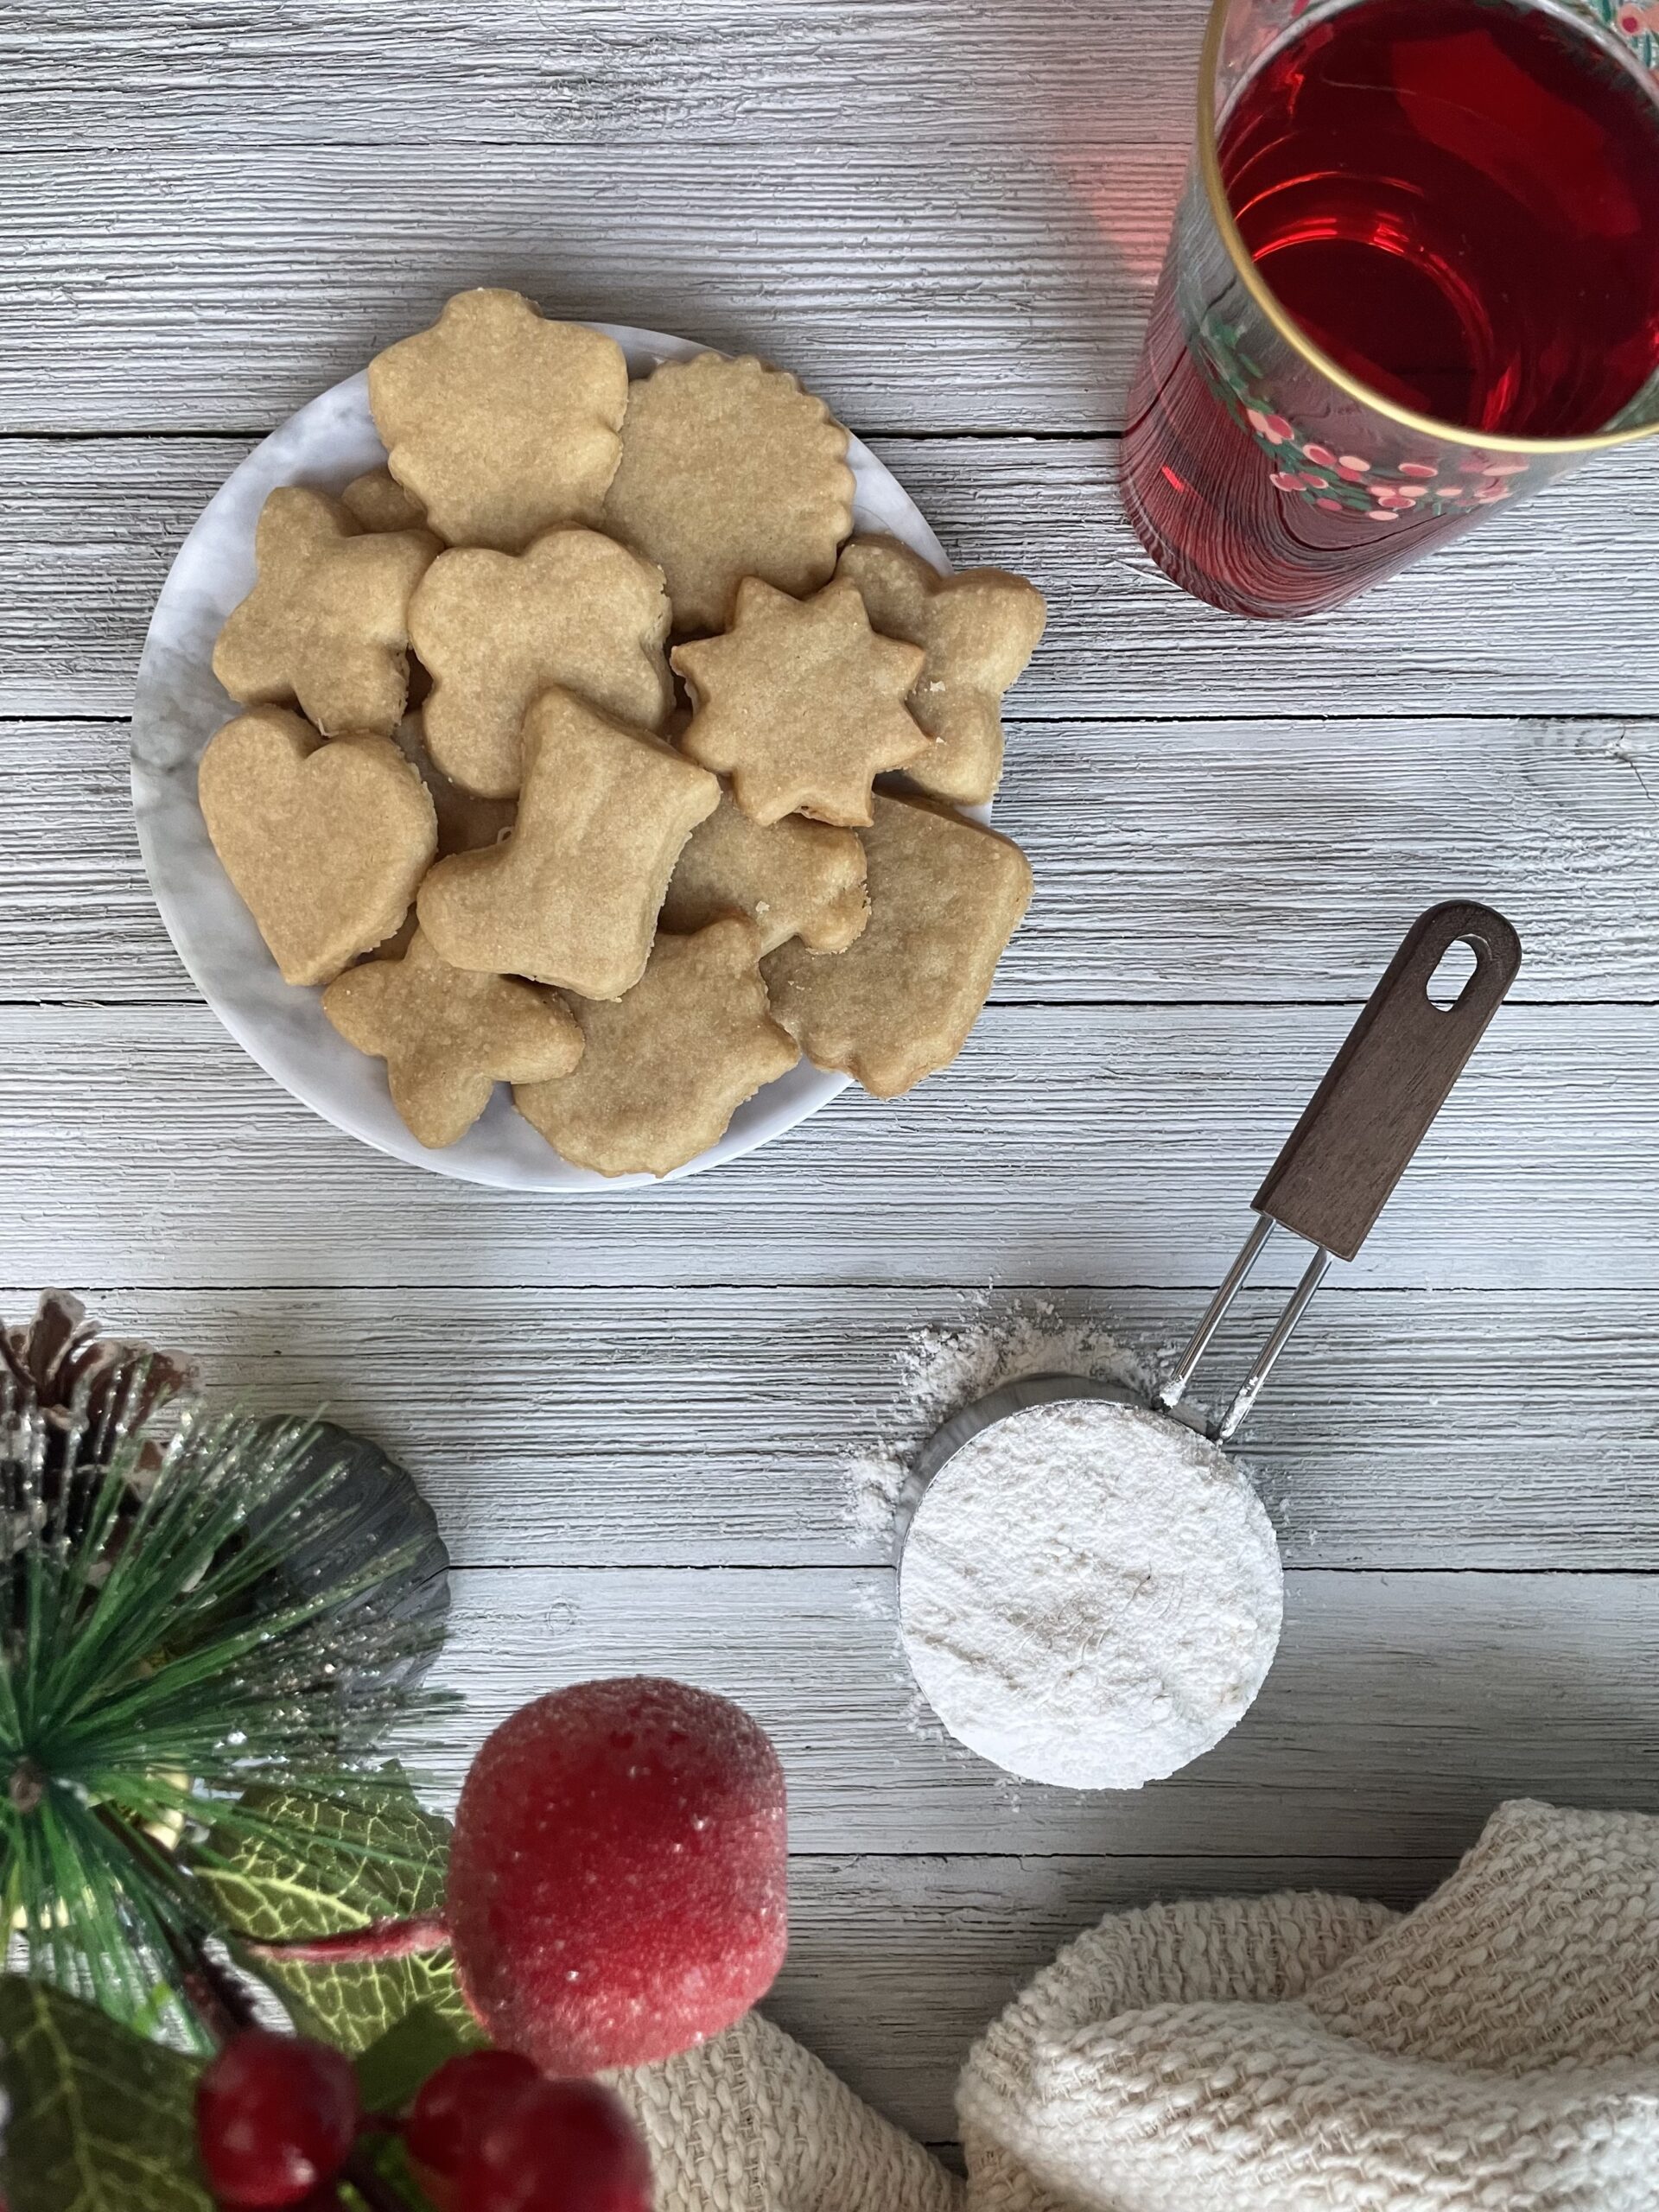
(1333, 1177)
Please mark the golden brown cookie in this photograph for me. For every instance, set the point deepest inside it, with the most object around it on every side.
(448, 1038)
(378, 501)
(795, 877)
(324, 842)
(571, 896)
(978, 630)
(801, 704)
(325, 624)
(945, 897)
(494, 630)
(730, 470)
(501, 423)
(666, 1067)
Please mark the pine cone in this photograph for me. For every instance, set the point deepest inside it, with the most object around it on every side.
(83, 1386)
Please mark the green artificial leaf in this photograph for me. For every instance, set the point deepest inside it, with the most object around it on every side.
(391, 2070)
(101, 2120)
(381, 1857)
(385, 2156)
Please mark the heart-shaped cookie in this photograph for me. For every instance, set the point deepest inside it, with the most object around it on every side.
(325, 842)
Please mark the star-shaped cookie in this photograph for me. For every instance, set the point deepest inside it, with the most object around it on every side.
(448, 1038)
(571, 895)
(499, 422)
(494, 630)
(795, 877)
(945, 897)
(326, 625)
(730, 470)
(666, 1067)
(324, 842)
(978, 630)
(801, 704)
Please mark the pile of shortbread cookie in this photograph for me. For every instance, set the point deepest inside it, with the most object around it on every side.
(463, 752)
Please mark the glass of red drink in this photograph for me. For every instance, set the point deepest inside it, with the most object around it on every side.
(1414, 276)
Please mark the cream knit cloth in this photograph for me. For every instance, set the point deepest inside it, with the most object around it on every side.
(1497, 2050)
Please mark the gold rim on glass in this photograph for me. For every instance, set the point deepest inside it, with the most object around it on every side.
(1256, 285)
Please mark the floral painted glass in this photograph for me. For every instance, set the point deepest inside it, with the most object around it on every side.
(1414, 275)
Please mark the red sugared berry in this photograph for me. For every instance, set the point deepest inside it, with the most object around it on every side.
(617, 1879)
(454, 2107)
(275, 2117)
(558, 2146)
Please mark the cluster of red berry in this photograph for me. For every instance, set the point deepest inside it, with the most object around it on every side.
(278, 2118)
(616, 1894)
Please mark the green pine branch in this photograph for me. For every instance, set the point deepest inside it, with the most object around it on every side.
(199, 1638)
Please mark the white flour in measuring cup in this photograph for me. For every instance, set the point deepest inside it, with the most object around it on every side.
(1090, 1594)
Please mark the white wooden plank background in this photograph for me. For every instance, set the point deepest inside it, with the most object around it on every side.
(632, 1417)
(1504, 622)
(1296, 900)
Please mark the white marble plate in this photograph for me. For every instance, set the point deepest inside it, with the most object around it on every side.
(179, 705)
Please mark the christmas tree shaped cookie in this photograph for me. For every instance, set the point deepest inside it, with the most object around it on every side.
(794, 878)
(945, 897)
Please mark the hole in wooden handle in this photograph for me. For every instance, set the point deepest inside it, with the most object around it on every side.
(1459, 965)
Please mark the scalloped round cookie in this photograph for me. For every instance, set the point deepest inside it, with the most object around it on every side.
(730, 469)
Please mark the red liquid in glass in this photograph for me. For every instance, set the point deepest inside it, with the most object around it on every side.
(1458, 200)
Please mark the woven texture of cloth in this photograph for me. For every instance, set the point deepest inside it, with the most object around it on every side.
(1495, 2051)
(750, 2122)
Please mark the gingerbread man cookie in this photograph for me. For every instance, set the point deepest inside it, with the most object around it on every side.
(501, 423)
(448, 1038)
(571, 896)
(801, 704)
(977, 629)
(795, 877)
(326, 625)
(665, 1068)
(945, 897)
(730, 470)
(494, 630)
(324, 842)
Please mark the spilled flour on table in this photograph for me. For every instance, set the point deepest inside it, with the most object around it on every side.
(943, 1368)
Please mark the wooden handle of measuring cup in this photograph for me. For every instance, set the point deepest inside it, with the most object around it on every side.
(1392, 1076)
